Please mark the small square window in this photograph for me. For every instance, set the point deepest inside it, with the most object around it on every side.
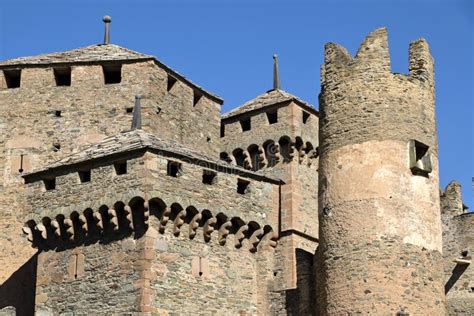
(112, 74)
(305, 117)
(272, 117)
(170, 83)
(242, 186)
(245, 124)
(120, 168)
(129, 109)
(208, 177)
(197, 96)
(58, 113)
(12, 78)
(49, 184)
(85, 176)
(62, 76)
(420, 159)
(174, 169)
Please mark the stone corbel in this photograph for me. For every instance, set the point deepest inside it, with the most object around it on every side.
(28, 232)
(224, 232)
(164, 220)
(69, 228)
(56, 228)
(194, 224)
(240, 235)
(255, 239)
(83, 221)
(113, 219)
(98, 220)
(42, 230)
(178, 222)
(208, 228)
(128, 216)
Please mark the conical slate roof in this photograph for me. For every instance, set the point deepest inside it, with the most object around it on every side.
(266, 99)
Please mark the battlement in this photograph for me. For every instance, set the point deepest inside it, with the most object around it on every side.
(364, 100)
(373, 57)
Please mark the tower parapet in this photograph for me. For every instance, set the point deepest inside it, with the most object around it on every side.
(379, 211)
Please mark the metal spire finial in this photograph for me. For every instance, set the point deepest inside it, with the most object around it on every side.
(107, 19)
(137, 114)
(276, 74)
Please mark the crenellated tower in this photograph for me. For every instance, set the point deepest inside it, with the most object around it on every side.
(379, 207)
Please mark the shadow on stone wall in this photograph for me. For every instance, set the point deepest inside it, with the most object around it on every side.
(456, 274)
(302, 300)
(19, 289)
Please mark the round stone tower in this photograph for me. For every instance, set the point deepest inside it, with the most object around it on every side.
(379, 208)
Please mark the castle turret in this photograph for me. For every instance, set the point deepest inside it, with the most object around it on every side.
(379, 207)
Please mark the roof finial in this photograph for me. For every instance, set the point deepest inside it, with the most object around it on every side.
(137, 114)
(107, 19)
(276, 74)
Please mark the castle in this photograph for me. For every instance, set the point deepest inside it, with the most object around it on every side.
(124, 191)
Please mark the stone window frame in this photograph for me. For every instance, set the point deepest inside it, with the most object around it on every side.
(420, 158)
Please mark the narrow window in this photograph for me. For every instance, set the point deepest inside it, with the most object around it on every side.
(13, 78)
(62, 76)
(305, 117)
(222, 130)
(208, 177)
(420, 160)
(112, 74)
(272, 117)
(196, 97)
(242, 186)
(171, 82)
(245, 124)
(120, 168)
(49, 184)
(85, 176)
(174, 169)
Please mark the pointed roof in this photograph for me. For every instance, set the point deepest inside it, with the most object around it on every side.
(134, 141)
(272, 97)
(96, 54)
(90, 53)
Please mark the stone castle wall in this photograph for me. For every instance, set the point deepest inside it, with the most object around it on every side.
(458, 236)
(40, 115)
(380, 230)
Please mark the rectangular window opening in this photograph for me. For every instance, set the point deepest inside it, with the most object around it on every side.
(174, 169)
(112, 74)
(222, 130)
(129, 109)
(208, 177)
(305, 117)
(12, 78)
(242, 186)
(420, 160)
(62, 76)
(57, 113)
(171, 82)
(272, 117)
(196, 97)
(245, 124)
(85, 176)
(49, 184)
(120, 168)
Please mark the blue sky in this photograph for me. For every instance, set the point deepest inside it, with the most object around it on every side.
(227, 46)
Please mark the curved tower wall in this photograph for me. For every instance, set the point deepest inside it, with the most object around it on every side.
(379, 208)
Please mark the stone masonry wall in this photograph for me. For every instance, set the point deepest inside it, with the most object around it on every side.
(458, 236)
(39, 115)
(380, 228)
